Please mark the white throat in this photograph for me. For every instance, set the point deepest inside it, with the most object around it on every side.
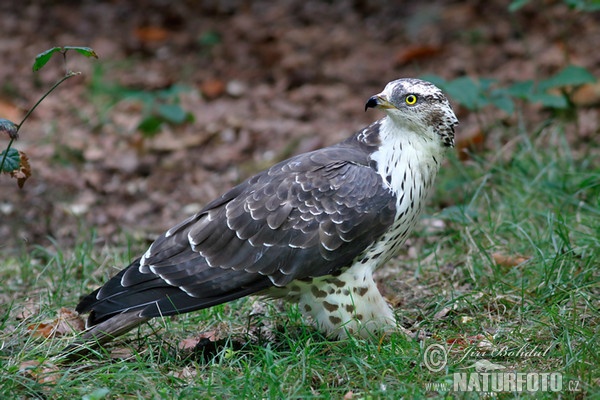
(408, 162)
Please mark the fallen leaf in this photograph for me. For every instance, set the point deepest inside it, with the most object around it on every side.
(150, 34)
(461, 342)
(191, 343)
(169, 141)
(41, 329)
(41, 372)
(187, 373)
(66, 323)
(188, 343)
(442, 313)
(212, 88)
(587, 95)
(485, 345)
(504, 260)
(416, 53)
(28, 309)
(121, 353)
(9, 111)
(469, 141)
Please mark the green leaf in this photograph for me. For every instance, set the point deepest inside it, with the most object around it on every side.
(503, 102)
(150, 125)
(521, 90)
(146, 98)
(210, 39)
(86, 51)
(172, 113)
(9, 128)
(435, 79)
(43, 58)
(571, 75)
(517, 5)
(486, 83)
(173, 91)
(583, 5)
(467, 92)
(549, 100)
(12, 161)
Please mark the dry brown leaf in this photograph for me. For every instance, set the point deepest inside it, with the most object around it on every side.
(461, 342)
(485, 345)
(471, 140)
(191, 343)
(587, 95)
(505, 260)
(121, 353)
(42, 329)
(28, 309)
(24, 171)
(442, 313)
(150, 34)
(187, 373)
(174, 141)
(9, 111)
(188, 343)
(66, 323)
(416, 53)
(41, 372)
(213, 88)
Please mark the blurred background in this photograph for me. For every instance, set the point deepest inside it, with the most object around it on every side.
(189, 98)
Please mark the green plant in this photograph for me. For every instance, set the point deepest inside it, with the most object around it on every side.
(15, 162)
(554, 92)
(579, 5)
(159, 107)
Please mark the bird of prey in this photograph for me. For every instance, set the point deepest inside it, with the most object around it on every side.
(311, 229)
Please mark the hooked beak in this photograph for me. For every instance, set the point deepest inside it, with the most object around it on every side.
(378, 101)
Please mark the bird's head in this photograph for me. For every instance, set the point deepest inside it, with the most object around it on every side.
(420, 106)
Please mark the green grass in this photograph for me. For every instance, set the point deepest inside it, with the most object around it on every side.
(538, 199)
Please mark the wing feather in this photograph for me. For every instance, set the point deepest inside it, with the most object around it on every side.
(305, 217)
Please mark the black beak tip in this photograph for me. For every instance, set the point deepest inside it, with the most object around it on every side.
(371, 103)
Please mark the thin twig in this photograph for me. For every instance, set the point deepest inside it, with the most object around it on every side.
(68, 75)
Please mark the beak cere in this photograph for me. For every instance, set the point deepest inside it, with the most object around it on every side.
(378, 101)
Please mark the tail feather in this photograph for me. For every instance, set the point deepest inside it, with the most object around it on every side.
(113, 327)
(118, 307)
(105, 332)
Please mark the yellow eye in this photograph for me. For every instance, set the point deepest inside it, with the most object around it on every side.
(411, 99)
